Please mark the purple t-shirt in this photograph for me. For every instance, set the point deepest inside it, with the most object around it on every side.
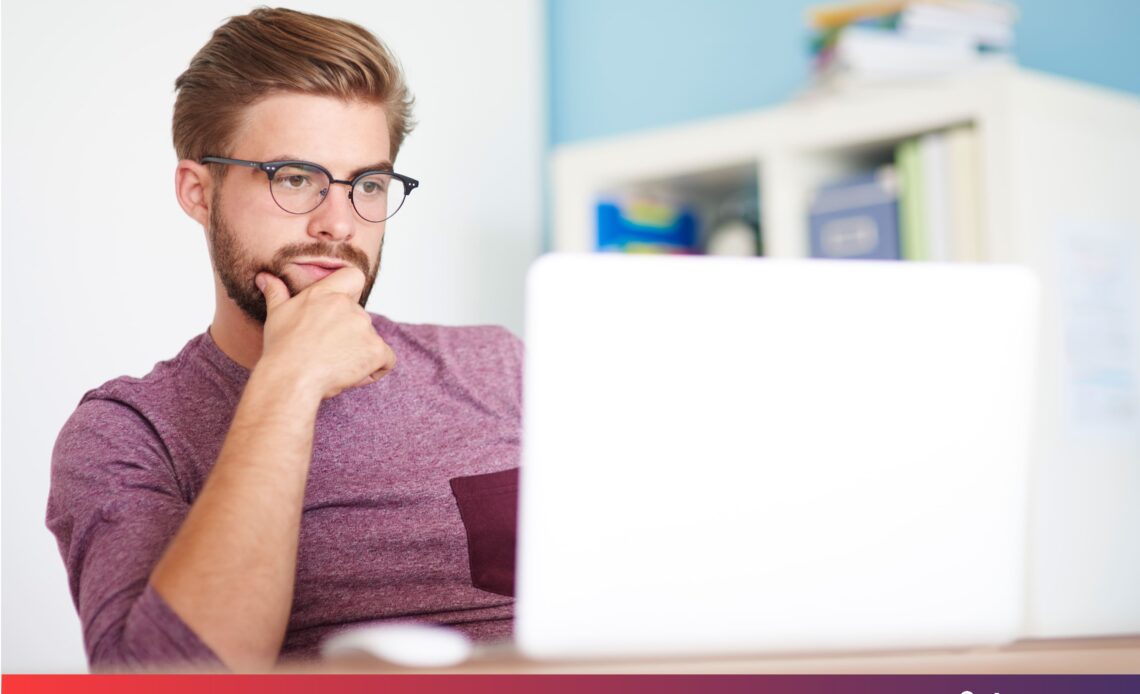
(401, 519)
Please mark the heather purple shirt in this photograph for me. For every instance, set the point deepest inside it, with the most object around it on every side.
(381, 535)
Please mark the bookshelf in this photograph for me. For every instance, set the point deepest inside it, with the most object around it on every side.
(1058, 188)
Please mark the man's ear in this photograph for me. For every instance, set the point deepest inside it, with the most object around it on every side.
(193, 185)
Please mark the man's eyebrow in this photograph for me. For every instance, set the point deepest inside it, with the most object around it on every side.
(379, 166)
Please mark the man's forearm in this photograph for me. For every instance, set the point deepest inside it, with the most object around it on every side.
(229, 571)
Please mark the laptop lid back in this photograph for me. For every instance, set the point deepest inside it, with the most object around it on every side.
(750, 455)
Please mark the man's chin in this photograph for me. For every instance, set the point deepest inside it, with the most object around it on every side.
(295, 281)
(296, 286)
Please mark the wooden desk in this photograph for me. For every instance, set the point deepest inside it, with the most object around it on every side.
(1068, 656)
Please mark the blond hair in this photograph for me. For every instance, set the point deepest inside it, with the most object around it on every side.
(270, 51)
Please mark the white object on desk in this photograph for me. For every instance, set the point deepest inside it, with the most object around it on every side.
(407, 644)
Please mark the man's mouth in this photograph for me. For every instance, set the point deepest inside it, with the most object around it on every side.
(319, 269)
(323, 263)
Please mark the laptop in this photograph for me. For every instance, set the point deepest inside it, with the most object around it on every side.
(746, 455)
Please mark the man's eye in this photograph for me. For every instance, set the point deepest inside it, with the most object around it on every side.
(372, 186)
(293, 181)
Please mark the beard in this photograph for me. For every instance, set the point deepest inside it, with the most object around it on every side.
(237, 269)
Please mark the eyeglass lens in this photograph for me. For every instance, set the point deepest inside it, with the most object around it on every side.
(300, 189)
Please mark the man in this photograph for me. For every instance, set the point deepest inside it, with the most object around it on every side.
(282, 477)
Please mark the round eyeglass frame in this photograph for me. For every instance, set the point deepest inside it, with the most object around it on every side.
(270, 168)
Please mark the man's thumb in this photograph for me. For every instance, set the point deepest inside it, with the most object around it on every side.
(274, 290)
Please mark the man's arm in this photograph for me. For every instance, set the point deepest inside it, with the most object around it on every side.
(229, 571)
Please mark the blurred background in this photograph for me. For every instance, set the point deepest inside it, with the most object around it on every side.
(617, 67)
(519, 102)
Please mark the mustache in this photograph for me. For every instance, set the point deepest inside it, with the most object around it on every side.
(323, 249)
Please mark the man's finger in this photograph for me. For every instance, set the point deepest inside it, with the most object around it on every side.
(347, 280)
(274, 290)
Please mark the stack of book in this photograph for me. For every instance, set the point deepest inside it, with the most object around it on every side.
(925, 205)
(884, 41)
(641, 224)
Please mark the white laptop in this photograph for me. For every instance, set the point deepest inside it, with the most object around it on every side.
(772, 456)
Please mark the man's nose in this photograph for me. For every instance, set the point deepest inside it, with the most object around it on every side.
(334, 219)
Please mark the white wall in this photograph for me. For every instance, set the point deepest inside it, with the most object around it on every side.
(103, 275)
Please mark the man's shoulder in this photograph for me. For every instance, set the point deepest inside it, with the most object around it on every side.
(123, 434)
(184, 395)
(112, 417)
(448, 338)
(166, 382)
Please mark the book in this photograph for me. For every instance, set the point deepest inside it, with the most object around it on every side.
(994, 30)
(982, 12)
(876, 54)
(645, 225)
(865, 44)
(838, 15)
(940, 206)
(912, 232)
(935, 164)
(857, 217)
(965, 213)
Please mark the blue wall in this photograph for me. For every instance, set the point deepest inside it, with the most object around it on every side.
(623, 65)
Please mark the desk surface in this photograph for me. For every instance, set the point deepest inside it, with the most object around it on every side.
(1119, 655)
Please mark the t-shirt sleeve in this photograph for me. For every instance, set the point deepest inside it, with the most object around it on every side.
(114, 505)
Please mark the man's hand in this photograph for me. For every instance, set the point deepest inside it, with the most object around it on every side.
(322, 338)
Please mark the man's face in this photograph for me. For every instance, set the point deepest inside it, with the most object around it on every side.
(248, 233)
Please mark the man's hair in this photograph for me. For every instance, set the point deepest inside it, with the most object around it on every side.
(276, 51)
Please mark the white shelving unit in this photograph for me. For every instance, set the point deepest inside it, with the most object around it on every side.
(1059, 181)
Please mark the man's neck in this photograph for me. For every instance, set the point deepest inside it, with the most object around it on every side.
(236, 334)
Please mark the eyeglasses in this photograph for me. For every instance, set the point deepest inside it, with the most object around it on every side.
(299, 187)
